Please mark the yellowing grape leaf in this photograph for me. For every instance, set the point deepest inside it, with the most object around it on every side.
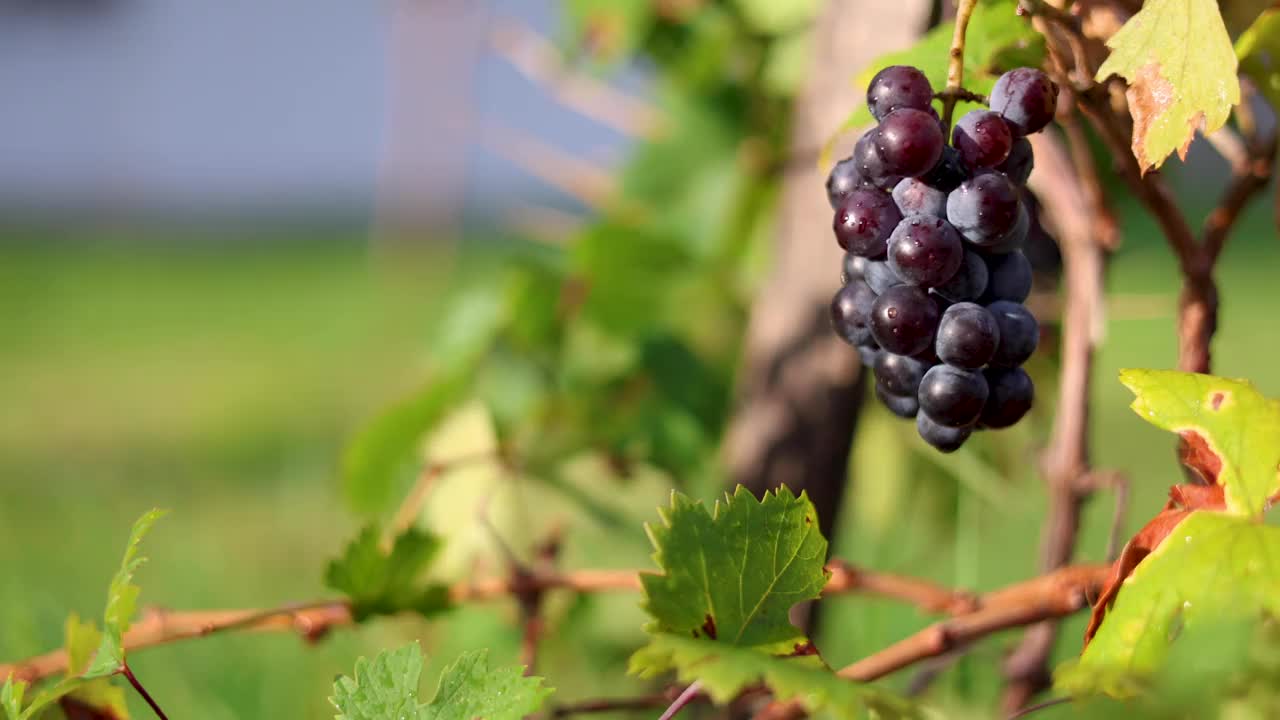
(97, 698)
(1231, 432)
(725, 671)
(1181, 69)
(734, 573)
(1210, 568)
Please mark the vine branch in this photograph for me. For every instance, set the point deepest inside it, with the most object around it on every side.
(955, 66)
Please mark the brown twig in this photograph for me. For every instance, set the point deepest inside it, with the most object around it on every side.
(927, 596)
(955, 64)
(610, 705)
(576, 177)
(1046, 597)
(411, 508)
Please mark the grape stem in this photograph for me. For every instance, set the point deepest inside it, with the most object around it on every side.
(955, 68)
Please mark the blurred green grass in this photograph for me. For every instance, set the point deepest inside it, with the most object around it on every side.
(220, 379)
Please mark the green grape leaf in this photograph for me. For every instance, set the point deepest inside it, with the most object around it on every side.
(11, 697)
(733, 574)
(1258, 50)
(1212, 567)
(122, 601)
(725, 671)
(771, 17)
(1181, 69)
(997, 40)
(98, 695)
(384, 583)
(386, 688)
(386, 450)
(1229, 430)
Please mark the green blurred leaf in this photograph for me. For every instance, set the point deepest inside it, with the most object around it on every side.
(608, 29)
(386, 449)
(386, 688)
(775, 17)
(725, 671)
(1258, 50)
(385, 583)
(81, 639)
(1237, 424)
(734, 573)
(122, 600)
(997, 40)
(11, 697)
(1212, 567)
(1181, 68)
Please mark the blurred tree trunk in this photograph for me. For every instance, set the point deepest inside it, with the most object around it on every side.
(800, 386)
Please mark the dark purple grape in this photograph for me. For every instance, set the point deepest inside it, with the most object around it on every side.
(951, 396)
(967, 336)
(983, 138)
(925, 251)
(1019, 333)
(870, 165)
(1015, 239)
(947, 174)
(853, 268)
(898, 86)
(914, 197)
(984, 209)
(1010, 277)
(904, 406)
(1026, 98)
(1017, 167)
(868, 354)
(899, 374)
(969, 282)
(849, 312)
(864, 222)
(909, 141)
(904, 319)
(1012, 394)
(844, 179)
(942, 438)
(880, 276)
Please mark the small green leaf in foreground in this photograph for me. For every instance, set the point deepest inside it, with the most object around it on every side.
(382, 583)
(725, 671)
(1181, 68)
(122, 601)
(11, 697)
(82, 637)
(1237, 429)
(1211, 568)
(386, 688)
(1258, 49)
(733, 574)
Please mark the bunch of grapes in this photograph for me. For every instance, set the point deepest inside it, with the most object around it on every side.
(934, 275)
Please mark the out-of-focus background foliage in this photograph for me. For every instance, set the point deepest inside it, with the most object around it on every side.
(231, 233)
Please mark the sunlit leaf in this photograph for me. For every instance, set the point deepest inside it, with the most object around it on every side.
(122, 601)
(1181, 69)
(1258, 49)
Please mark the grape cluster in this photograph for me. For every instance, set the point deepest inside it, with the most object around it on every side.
(934, 275)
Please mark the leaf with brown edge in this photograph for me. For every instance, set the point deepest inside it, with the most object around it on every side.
(1181, 69)
(1183, 500)
(1230, 432)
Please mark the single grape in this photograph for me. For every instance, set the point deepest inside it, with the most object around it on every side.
(904, 320)
(844, 179)
(909, 141)
(951, 396)
(984, 209)
(1012, 394)
(904, 406)
(1010, 277)
(898, 86)
(967, 336)
(947, 174)
(1026, 98)
(853, 269)
(849, 309)
(868, 354)
(969, 282)
(880, 276)
(1015, 239)
(925, 251)
(1017, 167)
(899, 374)
(864, 222)
(942, 438)
(1019, 333)
(871, 166)
(983, 138)
(914, 197)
